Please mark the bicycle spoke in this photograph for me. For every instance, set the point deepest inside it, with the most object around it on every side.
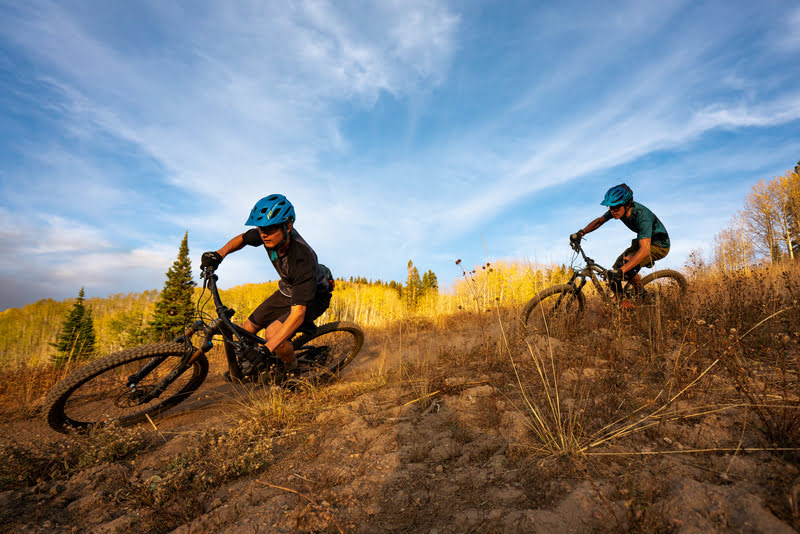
(553, 310)
(324, 353)
(100, 392)
(106, 397)
(664, 286)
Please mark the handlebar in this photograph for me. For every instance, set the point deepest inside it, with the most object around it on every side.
(576, 246)
(223, 312)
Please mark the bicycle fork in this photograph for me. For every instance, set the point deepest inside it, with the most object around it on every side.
(180, 368)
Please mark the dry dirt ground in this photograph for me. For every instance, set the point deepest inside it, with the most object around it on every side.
(443, 444)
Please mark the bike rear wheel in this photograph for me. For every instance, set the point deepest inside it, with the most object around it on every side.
(552, 309)
(666, 284)
(323, 354)
(98, 393)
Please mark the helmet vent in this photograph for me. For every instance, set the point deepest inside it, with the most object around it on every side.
(272, 209)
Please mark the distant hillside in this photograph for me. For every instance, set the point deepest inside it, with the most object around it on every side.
(26, 333)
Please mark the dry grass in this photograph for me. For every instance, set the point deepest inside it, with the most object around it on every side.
(657, 355)
(22, 389)
(607, 386)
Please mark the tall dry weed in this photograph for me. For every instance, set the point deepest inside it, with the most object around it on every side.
(22, 389)
(617, 372)
(751, 322)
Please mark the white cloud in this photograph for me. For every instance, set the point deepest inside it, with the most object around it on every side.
(779, 111)
(786, 39)
(45, 235)
(231, 101)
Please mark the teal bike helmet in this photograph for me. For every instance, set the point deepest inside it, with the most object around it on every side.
(619, 195)
(270, 210)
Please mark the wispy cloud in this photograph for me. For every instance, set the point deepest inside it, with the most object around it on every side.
(53, 256)
(786, 38)
(407, 126)
(657, 105)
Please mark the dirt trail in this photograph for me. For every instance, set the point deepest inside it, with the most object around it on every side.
(392, 460)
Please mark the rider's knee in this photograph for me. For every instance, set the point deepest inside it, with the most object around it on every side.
(251, 327)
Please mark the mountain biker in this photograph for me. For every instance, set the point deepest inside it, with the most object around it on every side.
(304, 289)
(651, 243)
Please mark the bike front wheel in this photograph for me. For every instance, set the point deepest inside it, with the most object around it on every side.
(666, 283)
(323, 354)
(552, 309)
(98, 393)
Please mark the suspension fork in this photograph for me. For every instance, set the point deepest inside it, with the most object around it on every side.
(577, 282)
(184, 364)
(177, 371)
(135, 378)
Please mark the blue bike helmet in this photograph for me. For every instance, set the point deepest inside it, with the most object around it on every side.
(619, 195)
(272, 209)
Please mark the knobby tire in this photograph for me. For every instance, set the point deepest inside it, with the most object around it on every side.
(537, 312)
(324, 353)
(97, 393)
(674, 281)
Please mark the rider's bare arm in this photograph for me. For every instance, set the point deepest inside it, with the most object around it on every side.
(237, 243)
(594, 225)
(296, 315)
(642, 253)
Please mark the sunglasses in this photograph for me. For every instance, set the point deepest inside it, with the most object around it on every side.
(269, 230)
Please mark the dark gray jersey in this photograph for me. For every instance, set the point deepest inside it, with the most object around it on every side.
(298, 269)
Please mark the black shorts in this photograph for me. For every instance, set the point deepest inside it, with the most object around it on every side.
(657, 252)
(277, 308)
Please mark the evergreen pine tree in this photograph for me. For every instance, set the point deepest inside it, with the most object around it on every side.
(413, 290)
(76, 338)
(175, 307)
(127, 329)
(430, 282)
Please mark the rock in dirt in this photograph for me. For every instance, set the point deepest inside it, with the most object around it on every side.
(697, 508)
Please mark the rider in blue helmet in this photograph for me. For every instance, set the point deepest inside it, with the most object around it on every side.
(304, 289)
(651, 243)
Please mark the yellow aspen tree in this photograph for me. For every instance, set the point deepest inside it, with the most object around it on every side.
(761, 214)
(732, 248)
(787, 220)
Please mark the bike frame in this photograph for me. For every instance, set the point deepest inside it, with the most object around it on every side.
(593, 272)
(222, 325)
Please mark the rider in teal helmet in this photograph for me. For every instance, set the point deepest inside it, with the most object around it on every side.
(651, 243)
(619, 195)
(304, 288)
(272, 210)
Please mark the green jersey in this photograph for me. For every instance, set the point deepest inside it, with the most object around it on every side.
(645, 224)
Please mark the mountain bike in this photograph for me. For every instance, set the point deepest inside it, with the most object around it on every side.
(130, 386)
(565, 302)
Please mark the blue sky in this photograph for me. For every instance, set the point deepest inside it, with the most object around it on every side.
(423, 130)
